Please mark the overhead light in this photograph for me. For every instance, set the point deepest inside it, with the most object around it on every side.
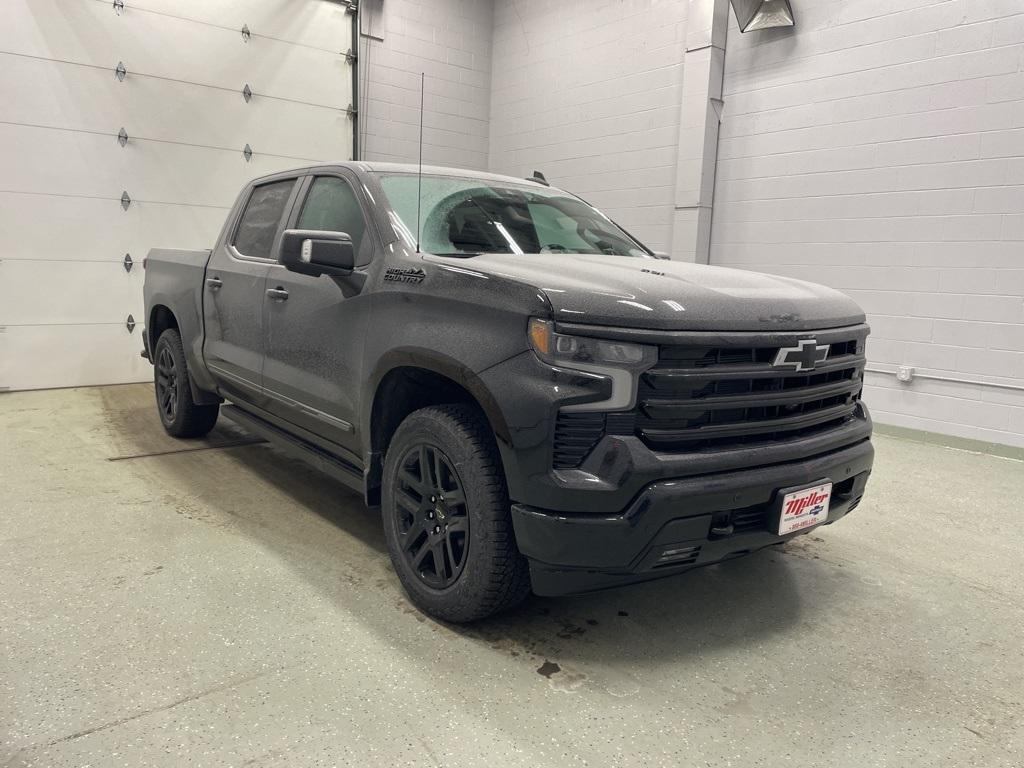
(762, 14)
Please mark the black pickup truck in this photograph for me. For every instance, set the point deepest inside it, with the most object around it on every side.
(530, 395)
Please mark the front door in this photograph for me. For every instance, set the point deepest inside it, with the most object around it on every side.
(234, 292)
(316, 325)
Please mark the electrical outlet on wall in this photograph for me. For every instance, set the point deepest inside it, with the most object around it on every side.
(905, 373)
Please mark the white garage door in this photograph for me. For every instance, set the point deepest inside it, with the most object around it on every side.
(202, 81)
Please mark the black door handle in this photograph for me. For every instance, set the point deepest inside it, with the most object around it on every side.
(278, 294)
(213, 283)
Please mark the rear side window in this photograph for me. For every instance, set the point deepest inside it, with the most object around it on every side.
(255, 234)
(331, 206)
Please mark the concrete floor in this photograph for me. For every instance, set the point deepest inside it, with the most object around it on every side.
(229, 606)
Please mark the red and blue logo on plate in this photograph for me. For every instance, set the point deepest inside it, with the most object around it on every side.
(811, 504)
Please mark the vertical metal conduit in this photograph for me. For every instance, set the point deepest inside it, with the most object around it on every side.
(355, 79)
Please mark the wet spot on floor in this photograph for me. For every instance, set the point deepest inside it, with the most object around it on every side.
(548, 668)
(569, 631)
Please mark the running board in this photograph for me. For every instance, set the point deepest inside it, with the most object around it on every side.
(294, 446)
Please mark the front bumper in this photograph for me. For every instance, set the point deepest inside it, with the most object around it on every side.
(675, 525)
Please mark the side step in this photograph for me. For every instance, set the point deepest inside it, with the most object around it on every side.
(294, 446)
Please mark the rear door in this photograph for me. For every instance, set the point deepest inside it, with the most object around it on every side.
(316, 325)
(233, 292)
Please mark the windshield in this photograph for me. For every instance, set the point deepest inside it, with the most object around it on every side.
(465, 216)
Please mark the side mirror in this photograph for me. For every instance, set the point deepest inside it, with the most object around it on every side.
(312, 252)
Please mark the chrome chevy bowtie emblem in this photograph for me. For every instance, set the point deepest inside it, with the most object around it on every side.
(803, 357)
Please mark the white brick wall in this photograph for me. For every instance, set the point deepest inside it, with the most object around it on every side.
(879, 148)
(449, 41)
(588, 92)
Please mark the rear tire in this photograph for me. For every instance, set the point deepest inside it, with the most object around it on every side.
(447, 518)
(180, 416)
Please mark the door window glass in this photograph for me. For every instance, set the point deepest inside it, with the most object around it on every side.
(258, 227)
(331, 206)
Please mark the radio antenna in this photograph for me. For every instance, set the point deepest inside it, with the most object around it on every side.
(419, 176)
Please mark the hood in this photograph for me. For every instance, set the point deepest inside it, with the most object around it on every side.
(671, 295)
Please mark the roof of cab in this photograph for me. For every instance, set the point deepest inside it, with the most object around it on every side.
(410, 168)
(372, 166)
(436, 170)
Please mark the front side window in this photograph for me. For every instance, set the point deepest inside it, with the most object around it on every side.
(258, 226)
(331, 206)
(463, 216)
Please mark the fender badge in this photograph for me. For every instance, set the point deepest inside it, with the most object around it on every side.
(410, 275)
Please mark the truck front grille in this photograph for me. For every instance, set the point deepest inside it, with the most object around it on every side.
(728, 394)
(704, 397)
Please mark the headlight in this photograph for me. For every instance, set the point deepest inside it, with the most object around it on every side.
(618, 360)
(560, 349)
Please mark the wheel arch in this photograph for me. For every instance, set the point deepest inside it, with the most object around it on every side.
(161, 317)
(406, 380)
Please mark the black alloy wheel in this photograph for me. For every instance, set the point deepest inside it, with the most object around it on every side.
(179, 413)
(447, 516)
(167, 384)
(433, 524)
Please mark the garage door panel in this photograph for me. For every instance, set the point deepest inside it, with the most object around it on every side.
(43, 356)
(315, 24)
(91, 33)
(40, 93)
(66, 228)
(64, 291)
(72, 288)
(91, 165)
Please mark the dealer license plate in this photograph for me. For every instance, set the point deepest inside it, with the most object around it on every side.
(804, 508)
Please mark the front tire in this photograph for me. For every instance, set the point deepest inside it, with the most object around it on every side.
(447, 518)
(180, 416)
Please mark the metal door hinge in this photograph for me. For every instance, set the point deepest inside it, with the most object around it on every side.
(128, 263)
(247, 93)
(350, 56)
(122, 136)
(247, 153)
(118, 7)
(246, 34)
(120, 71)
(125, 200)
(130, 324)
